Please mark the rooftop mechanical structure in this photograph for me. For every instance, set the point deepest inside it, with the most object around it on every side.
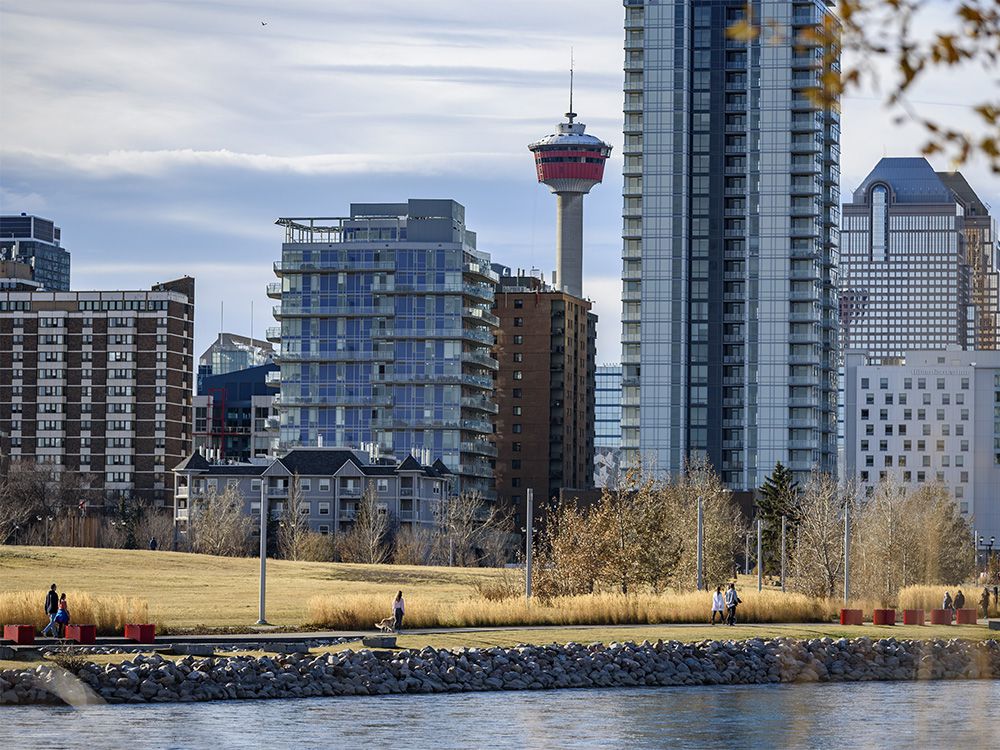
(570, 163)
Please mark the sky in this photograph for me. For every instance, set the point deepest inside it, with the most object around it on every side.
(166, 137)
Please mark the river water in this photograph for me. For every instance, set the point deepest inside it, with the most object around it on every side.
(845, 715)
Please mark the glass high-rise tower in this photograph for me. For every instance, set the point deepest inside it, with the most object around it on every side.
(386, 333)
(729, 241)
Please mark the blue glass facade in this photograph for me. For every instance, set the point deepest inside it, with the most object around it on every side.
(35, 241)
(385, 331)
(608, 404)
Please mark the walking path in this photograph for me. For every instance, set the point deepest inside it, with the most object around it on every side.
(265, 634)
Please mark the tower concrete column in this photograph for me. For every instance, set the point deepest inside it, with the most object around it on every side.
(569, 242)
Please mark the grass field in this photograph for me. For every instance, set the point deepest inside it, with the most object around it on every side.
(187, 591)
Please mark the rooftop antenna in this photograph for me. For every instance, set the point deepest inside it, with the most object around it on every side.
(571, 114)
(222, 316)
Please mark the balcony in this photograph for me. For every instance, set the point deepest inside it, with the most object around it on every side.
(273, 334)
(479, 447)
(479, 381)
(274, 290)
(483, 360)
(273, 379)
(482, 404)
(484, 317)
(282, 267)
(481, 270)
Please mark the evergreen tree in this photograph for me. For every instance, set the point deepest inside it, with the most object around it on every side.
(777, 497)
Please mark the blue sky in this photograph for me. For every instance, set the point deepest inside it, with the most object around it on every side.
(165, 137)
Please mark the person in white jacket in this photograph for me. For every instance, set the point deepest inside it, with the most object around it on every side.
(718, 605)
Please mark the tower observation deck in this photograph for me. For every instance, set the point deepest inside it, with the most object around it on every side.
(570, 162)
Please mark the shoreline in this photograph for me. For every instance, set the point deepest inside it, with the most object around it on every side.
(154, 679)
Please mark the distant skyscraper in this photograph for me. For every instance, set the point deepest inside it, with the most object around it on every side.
(231, 352)
(35, 241)
(731, 192)
(570, 163)
(982, 249)
(607, 424)
(906, 282)
(385, 335)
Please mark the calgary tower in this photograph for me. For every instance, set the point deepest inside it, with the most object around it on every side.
(570, 162)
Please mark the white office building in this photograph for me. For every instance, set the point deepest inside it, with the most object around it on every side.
(935, 418)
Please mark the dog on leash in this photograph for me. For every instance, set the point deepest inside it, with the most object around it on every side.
(387, 625)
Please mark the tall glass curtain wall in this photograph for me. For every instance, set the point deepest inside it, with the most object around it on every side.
(729, 243)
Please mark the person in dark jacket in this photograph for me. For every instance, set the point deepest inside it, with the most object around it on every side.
(153, 544)
(959, 600)
(51, 609)
(732, 602)
(984, 601)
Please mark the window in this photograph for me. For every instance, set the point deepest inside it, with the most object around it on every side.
(883, 384)
(516, 428)
(518, 322)
(255, 485)
(864, 383)
(869, 398)
(382, 485)
(324, 485)
(519, 339)
(323, 509)
(515, 447)
(518, 375)
(519, 303)
(305, 485)
(516, 392)
(965, 384)
(518, 357)
(517, 411)
(940, 384)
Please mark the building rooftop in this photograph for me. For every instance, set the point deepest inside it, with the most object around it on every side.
(911, 179)
(312, 462)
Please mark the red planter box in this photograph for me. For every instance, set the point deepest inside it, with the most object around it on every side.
(940, 617)
(851, 617)
(913, 617)
(145, 633)
(81, 633)
(883, 617)
(966, 616)
(23, 635)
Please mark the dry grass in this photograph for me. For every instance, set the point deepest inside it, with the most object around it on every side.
(931, 597)
(358, 612)
(108, 613)
(201, 591)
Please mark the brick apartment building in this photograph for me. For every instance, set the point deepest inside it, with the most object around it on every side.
(100, 383)
(546, 349)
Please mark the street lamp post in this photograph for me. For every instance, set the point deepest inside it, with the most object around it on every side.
(760, 556)
(989, 548)
(261, 619)
(701, 534)
(528, 539)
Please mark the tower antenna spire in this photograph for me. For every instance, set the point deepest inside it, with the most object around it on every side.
(571, 114)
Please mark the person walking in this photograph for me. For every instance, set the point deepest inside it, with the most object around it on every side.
(732, 602)
(959, 601)
(947, 603)
(51, 608)
(398, 610)
(62, 616)
(984, 601)
(718, 605)
(153, 544)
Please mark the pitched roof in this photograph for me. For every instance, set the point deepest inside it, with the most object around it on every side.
(912, 180)
(410, 464)
(194, 462)
(313, 461)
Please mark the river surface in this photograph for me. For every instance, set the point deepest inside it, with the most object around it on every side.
(868, 715)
